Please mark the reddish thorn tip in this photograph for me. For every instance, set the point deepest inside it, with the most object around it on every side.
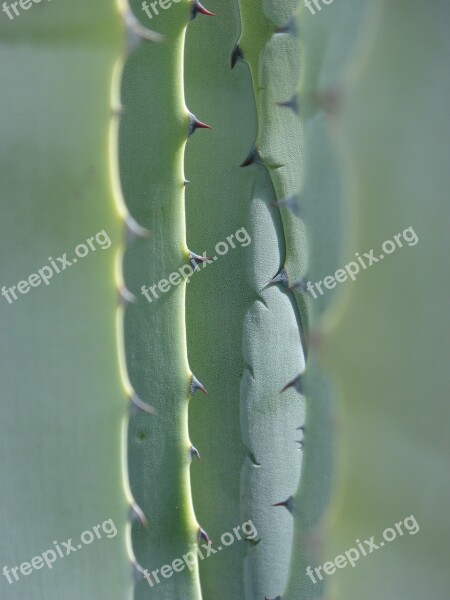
(201, 125)
(195, 124)
(196, 385)
(199, 8)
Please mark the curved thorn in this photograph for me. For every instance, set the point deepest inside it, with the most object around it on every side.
(296, 384)
(237, 55)
(252, 541)
(136, 401)
(291, 203)
(125, 296)
(146, 34)
(196, 385)
(203, 536)
(289, 27)
(133, 229)
(199, 8)
(286, 504)
(186, 182)
(196, 260)
(195, 453)
(137, 514)
(292, 103)
(252, 158)
(281, 277)
(195, 124)
(251, 456)
(137, 570)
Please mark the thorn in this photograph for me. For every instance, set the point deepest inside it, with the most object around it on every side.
(302, 444)
(117, 111)
(290, 27)
(253, 157)
(137, 570)
(251, 456)
(299, 285)
(237, 55)
(125, 296)
(203, 536)
(137, 514)
(196, 385)
(302, 428)
(199, 8)
(186, 182)
(195, 453)
(252, 541)
(143, 406)
(133, 229)
(196, 259)
(280, 277)
(291, 202)
(286, 504)
(195, 124)
(296, 384)
(292, 103)
(146, 34)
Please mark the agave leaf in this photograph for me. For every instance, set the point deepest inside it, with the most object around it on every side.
(63, 401)
(394, 448)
